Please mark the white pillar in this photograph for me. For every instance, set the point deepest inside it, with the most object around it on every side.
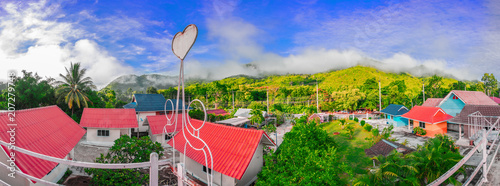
(459, 131)
(153, 170)
(485, 155)
(180, 174)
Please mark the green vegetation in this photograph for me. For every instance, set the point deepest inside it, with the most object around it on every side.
(73, 87)
(420, 131)
(421, 167)
(362, 123)
(307, 156)
(30, 91)
(125, 150)
(65, 176)
(368, 128)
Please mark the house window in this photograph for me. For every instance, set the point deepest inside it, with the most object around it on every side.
(421, 124)
(205, 170)
(167, 137)
(102, 132)
(411, 122)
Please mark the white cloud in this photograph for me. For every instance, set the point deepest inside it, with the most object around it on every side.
(33, 39)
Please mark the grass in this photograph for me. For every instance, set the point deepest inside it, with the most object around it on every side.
(352, 150)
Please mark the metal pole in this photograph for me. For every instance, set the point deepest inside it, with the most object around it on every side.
(423, 91)
(267, 101)
(485, 155)
(233, 100)
(153, 170)
(379, 97)
(317, 96)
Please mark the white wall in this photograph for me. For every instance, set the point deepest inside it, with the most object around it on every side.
(254, 167)
(196, 169)
(92, 135)
(142, 115)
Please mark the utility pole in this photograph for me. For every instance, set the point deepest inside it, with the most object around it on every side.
(267, 95)
(317, 96)
(423, 91)
(233, 100)
(379, 97)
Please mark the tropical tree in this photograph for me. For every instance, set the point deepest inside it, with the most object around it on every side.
(151, 90)
(490, 83)
(30, 91)
(73, 87)
(256, 117)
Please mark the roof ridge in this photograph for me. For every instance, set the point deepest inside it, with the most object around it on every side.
(29, 109)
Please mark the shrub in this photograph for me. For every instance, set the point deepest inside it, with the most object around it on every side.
(362, 122)
(386, 132)
(375, 132)
(419, 131)
(356, 119)
(368, 128)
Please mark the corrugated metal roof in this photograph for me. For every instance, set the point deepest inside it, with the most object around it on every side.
(485, 110)
(472, 97)
(156, 123)
(151, 102)
(108, 118)
(495, 99)
(221, 112)
(45, 130)
(432, 102)
(243, 112)
(384, 147)
(427, 114)
(395, 110)
(232, 148)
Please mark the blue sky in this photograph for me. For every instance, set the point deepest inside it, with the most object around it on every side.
(113, 38)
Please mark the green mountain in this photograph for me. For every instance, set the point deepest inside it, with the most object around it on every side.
(141, 83)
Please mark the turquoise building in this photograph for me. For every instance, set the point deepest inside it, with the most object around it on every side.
(393, 115)
(455, 101)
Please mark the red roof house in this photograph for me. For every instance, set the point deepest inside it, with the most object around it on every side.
(158, 123)
(217, 112)
(495, 99)
(432, 102)
(432, 119)
(237, 152)
(45, 130)
(106, 125)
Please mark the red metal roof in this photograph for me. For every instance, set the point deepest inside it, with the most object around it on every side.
(495, 99)
(221, 112)
(45, 130)
(432, 102)
(156, 123)
(232, 147)
(472, 97)
(427, 114)
(108, 118)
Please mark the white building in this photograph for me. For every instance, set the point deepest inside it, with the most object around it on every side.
(107, 124)
(237, 153)
(45, 130)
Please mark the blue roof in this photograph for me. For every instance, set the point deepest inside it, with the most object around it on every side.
(395, 110)
(151, 102)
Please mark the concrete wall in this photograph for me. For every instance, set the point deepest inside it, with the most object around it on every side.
(438, 128)
(195, 169)
(452, 106)
(92, 135)
(253, 168)
(141, 118)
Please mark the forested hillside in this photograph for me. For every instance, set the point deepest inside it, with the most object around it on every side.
(348, 89)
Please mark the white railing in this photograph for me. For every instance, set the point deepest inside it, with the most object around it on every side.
(153, 164)
(477, 124)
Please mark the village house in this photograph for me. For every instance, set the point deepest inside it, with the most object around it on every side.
(495, 99)
(45, 130)
(432, 102)
(464, 120)
(217, 112)
(384, 148)
(431, 119)
(393, 114)
(105, 125)
(150, 105)
(319, 117)
(455, 101)
(158, 125)
(237, 153)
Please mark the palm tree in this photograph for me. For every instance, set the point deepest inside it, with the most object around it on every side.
(256, 117)
(73, 87)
